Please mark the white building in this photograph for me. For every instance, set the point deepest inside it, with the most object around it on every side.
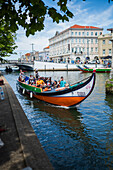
(29, 57)
(75, 43)
(44, 55)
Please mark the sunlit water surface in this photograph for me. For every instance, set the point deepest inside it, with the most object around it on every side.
(77, 138)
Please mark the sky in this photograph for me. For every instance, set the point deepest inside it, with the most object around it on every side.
(97, 13)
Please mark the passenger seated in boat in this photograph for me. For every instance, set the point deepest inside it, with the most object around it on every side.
(42, 86)
(31, 80)
(47, 81)
(62, 82)
(55, 85)
(21, 73)
(22, 77)
(39, 81)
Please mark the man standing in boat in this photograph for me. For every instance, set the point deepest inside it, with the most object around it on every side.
(62, 82)
(36, 74)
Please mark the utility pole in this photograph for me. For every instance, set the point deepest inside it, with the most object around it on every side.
(32, 47)
(32, 51)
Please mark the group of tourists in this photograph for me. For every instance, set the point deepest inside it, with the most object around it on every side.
(44, 83)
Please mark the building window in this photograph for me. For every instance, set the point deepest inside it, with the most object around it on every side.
(87, 33)
(96, 33)
(109, 51)
(103, 41)
(71, 33)
(79, 33)
(91, 49)
(79, 40)
(109, 42)
(75, 33)
(76, 50)
(103, 51)
(72, 50)
(83, 33)
(100, 33)
(87, 50)
(96, 49)
(91, 33)
(91, 41)
(79, 49)
(96, 41)
(76, 40)
(87, 41)
(83, 40)
(72, 40)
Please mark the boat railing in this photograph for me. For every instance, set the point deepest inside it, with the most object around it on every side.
(81, 81)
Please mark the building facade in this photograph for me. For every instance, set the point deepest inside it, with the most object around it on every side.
(105, 45)
(77, 43)
(30, 57)
(44, 55)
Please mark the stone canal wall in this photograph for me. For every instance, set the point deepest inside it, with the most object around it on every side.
(21, 146)
(109, 86)
(50, 66)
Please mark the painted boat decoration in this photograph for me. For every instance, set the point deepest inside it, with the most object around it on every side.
(65, 96)
(85, 69)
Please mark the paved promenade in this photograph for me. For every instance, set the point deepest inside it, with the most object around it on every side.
(21, 147)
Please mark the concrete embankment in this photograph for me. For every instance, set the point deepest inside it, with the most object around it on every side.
(49, 66)
(21, 146)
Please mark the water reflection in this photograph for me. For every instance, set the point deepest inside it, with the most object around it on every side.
(66, 139)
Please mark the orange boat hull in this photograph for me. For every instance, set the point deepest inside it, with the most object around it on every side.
(61, 101)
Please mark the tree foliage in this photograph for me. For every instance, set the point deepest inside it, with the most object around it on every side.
(7, 41)
(30, 14)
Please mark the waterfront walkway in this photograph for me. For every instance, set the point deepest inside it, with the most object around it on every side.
(21, 147)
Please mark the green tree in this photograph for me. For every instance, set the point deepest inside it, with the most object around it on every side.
(30, 14)
(7, 41)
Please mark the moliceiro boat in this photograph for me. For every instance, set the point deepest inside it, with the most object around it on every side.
(85, 69)
(62, 96)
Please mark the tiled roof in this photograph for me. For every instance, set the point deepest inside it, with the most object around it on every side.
(79, 27)
(84, 27)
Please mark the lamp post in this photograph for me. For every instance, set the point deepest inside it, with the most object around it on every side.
(32, 51)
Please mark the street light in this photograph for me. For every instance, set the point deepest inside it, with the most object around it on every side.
(32, 51)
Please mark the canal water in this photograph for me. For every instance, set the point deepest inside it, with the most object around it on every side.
(77, 138)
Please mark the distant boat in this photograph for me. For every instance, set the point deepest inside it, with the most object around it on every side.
(8, 69)
(63, 96)
(85, 69)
